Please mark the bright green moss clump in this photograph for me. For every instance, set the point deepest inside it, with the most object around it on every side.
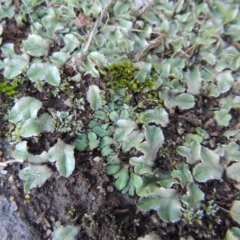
(9, 89)
(121, 75)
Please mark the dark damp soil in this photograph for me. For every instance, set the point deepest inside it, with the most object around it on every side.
(88, 197)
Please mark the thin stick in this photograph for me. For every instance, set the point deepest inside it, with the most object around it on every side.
(78, 58)
(131, 29)
(94, 30)
(152, 45)
(4, 164)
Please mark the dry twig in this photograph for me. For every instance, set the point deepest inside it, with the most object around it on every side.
(77, 59)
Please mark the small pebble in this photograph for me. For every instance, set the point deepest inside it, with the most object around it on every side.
(212, 143)
(110, 189)
(58, 224)
(97, 159)
(39, 220)
(164, 224)
(237, 186)
(154, 219)
(13, 206)
(11, 179)
(139, 24)
(48, 233)
(45, 227)
(180, 130)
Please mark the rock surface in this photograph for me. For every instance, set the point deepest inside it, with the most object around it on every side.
(12, 227)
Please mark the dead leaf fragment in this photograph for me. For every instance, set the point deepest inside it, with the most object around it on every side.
(82, 21)
(152, 45)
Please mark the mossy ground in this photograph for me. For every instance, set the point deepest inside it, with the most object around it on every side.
(124, 75)
(9, 87)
